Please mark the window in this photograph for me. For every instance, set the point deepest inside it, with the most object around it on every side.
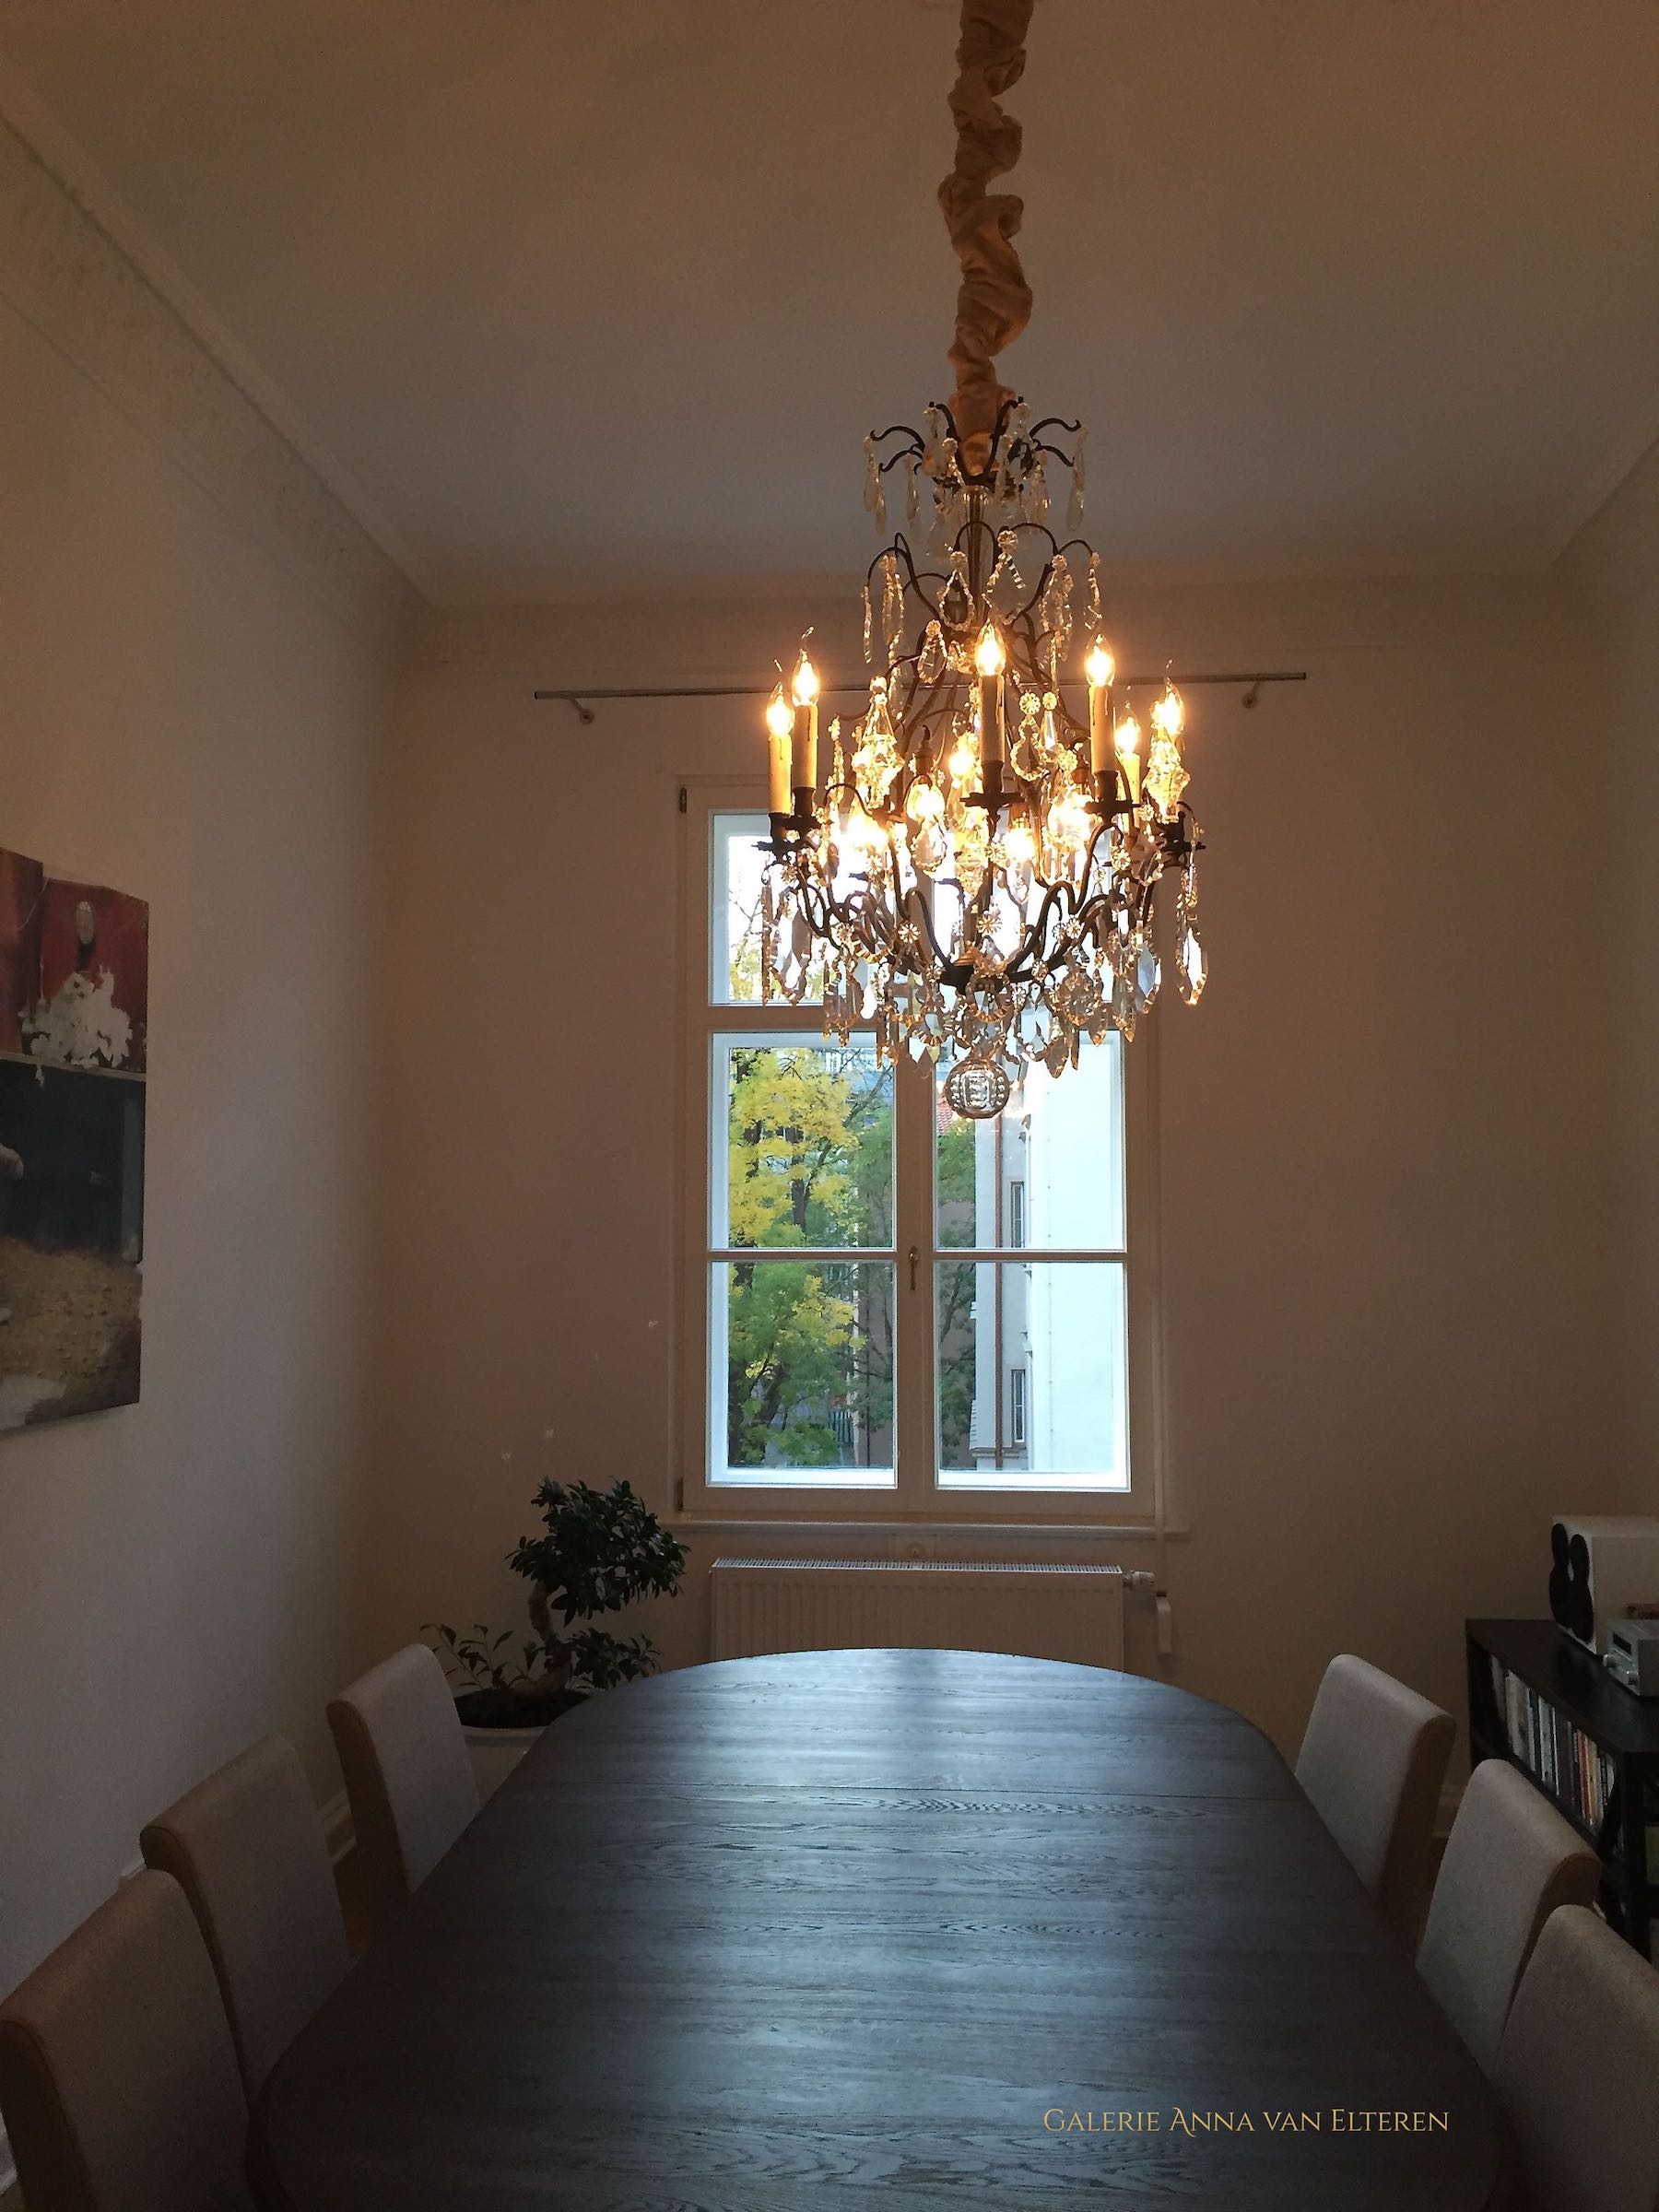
(888, 1310)
(1016, 1229)
(1017, 1408)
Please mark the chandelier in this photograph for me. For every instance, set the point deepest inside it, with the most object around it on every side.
(973, 867)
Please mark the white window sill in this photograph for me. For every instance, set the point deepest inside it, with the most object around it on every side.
(915, 1525)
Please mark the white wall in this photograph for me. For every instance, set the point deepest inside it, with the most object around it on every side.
(1386, 1190)
(189, 717)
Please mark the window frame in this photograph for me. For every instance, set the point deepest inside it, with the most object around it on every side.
(916, 1496)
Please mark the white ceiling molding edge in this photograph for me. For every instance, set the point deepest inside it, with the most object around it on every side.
(72, 270)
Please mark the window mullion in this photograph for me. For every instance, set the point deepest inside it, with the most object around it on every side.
(914, 1209)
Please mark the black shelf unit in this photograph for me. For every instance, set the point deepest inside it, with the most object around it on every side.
(1547, 1706)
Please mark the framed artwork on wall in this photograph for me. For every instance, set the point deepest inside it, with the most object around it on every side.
(74, 1007)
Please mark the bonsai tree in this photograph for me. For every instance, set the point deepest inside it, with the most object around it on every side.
(598, 1551)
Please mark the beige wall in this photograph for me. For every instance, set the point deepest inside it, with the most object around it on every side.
(1386, 1202)
(187, 719)
(1613, 570)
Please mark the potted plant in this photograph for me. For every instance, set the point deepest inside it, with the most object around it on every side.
(598, 1550)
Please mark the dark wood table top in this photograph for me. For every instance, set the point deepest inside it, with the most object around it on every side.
(867, 1929)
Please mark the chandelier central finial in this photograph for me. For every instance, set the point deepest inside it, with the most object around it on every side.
(973, 868)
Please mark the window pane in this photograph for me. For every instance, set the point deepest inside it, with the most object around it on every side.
(805, 1352)
(1047, 1174)
(734, 878)
(736, 874)
(1032, 1375)
(804, 1137)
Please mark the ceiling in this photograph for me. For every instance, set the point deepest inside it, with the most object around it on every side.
(596, 300)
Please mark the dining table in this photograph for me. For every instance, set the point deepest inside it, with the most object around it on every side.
(887, 1930)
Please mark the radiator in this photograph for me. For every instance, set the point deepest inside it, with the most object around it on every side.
(1037, 1611)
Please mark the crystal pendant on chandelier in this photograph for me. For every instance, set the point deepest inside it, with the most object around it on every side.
(974, 871)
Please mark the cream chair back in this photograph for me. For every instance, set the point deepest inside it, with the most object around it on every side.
(1577, 2070)
(246, 1849)
(407, 1773)
(1510, 1862)
(118, 2080)
(1373, 1762)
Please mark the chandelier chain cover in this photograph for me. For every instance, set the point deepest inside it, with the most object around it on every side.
(974, 868)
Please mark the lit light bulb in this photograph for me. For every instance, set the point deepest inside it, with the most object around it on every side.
(779, 729)
(1126, 737)
(1100, 668)
(1073, 824)
(962, 764)
(1020, 844)
(805, 684)
(988, 655)
(925, 802)
(1168, 714)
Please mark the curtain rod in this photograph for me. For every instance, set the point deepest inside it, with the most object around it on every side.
(1252, 679)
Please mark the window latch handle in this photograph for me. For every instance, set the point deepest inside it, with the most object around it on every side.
(914, 1256)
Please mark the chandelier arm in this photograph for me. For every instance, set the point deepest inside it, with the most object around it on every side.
(976, 589)
(909, 714)
(985, 478)
(898, 544)
(1021, 631)
(981, 479)
(1036, 681)
(1048, 567)
(941, 957)
(900, 547)
(924, 726)
(1018, 969)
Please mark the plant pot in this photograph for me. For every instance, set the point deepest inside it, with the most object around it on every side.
(498, 1729)
(495, 1752)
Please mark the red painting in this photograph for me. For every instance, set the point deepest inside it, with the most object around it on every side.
(94, 979)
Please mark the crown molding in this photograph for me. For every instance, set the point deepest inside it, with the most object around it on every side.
(75, 265)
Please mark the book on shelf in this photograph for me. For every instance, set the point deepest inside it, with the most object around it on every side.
(1573, 1769)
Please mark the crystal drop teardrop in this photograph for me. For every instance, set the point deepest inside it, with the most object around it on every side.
(1190, 965)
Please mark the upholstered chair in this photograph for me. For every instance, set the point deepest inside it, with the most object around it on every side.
(1577, 2070)
(1510, 1862)
(408, 1775)
(118, 2079)
(1373, 1762)
(246, 1849)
